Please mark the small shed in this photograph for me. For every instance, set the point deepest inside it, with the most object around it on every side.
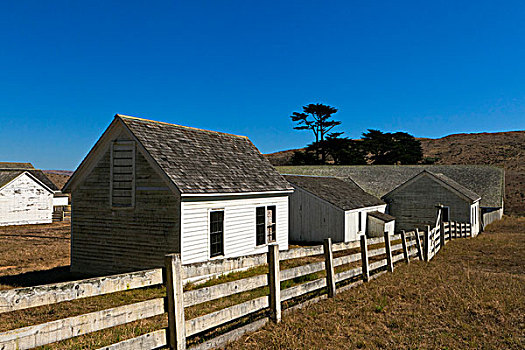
(323, 207)
(26, 195)
(413, 203)
(378, 223)
(149, 188)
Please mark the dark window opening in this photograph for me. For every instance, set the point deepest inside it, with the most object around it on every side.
(260, 223)
(216, 233)
(360, 222)
(445, 214)
(270, 223)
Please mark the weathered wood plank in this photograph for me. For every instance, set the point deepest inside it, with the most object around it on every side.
(347, 259)
(341, 276)
(378, 264)
(217, 318)
(375, 240)
(397, 247)
(301, 252)
(376, 252)
(50, 332)
(329, 266)
(222, 266)
(175, 298)
(364, 259)
(304, 288)
(337, 247)
(223, 339)
(274, 282)
(202, 295)
(397, 258)
(390, 263)
(302, 270)
(23, 298)
(152, 340)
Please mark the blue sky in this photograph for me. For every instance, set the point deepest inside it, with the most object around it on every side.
(430, 68)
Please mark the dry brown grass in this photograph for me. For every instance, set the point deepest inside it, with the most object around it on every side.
(472, 295)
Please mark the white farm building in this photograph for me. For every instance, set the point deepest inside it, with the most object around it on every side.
(149, 188)
(327, 207)
(26, 195)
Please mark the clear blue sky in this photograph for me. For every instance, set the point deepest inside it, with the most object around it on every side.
(430, 68)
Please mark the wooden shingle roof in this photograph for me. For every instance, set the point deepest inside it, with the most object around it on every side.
(201, 161)
(8, 175)
(343, 194)
(378, 180)
(381, 216)
(15, 166)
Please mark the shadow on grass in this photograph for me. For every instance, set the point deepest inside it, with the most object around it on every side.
(35, 278)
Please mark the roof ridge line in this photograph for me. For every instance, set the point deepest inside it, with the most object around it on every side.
(178, 125)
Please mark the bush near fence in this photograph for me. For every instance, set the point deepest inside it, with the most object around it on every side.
(341, 266)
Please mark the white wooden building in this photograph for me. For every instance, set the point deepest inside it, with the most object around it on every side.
(327, 207)
(149, 188)
(26, 195)
(414, 202)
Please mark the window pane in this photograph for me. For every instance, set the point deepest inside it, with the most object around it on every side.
(260, 225)
(216, 233)
(270, 222)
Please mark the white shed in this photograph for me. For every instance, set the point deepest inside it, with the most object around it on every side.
(323, 207)
(24, 199)
(150, 188)
(378, 223)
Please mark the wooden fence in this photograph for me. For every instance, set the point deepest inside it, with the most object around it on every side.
(355, 263)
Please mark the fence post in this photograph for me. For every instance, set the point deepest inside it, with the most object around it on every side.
(388, 249)
(176, 327)
(462, 229)
(418, 245)
(364, 259)
(405, 248)
(274, 281)
(442, 234)
(426, 251)
(329, 266)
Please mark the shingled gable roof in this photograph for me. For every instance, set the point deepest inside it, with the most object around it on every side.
(6, 176)
(15, 166)
(200, 162)
(346, 195)
(444, 180)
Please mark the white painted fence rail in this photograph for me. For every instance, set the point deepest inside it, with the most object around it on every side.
(353, 264)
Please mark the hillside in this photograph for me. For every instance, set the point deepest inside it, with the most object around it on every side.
(58, 177)
(505, 149)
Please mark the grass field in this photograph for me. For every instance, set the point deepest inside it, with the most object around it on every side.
(470, 296)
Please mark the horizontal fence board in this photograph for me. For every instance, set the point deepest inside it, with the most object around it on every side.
(220, 317)
(301, 252)
(222, 266)
(337, 247)
(223, 339)
(301, 270)
(50, 332)
(341, 276)
(304, 288)
(347, 259)
(376, 252)
(378, 264)
(397, 258)
(395, 237)
(23, 298)
(375, 240)
(152, 340)
(396, 247)
(202, 295)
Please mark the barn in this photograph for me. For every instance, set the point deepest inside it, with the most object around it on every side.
(327, 207)
(26, 195)
(149, 188)
(414, 202)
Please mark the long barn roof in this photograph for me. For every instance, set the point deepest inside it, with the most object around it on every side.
(343, 194)
(201, 161)
(378, 180)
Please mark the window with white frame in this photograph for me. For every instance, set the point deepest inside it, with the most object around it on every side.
(122, 172)
(216, 233)
(265, 224)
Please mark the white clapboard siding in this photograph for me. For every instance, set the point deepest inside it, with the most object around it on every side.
(25, 201)
(239, 226)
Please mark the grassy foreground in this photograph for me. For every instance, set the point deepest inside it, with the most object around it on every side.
(471, 296)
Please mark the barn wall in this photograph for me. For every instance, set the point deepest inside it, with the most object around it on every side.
(239, 226)
(106, 240)
(25, 201)
(414, 205)
(352, 221)
(313, 219)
